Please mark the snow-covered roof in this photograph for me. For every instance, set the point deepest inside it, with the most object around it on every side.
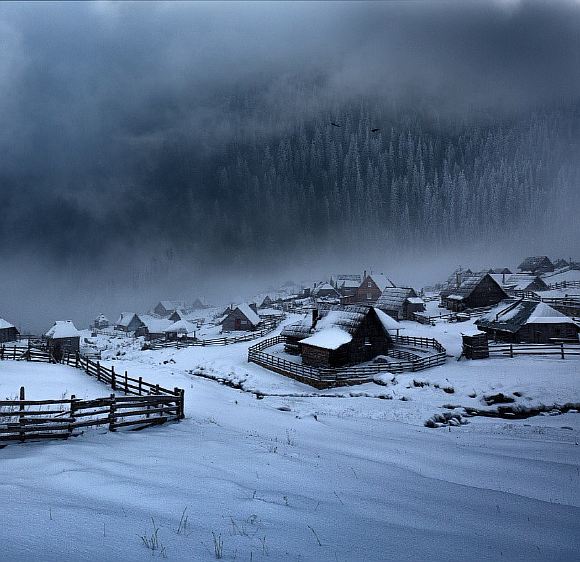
(388, 322)
(511, 315)
(62, 329)
(181, 327)
(534, 262)
(468, 285)
(381, 280)
(521, 281)
(416, 300)
(248, 312)
(328, 338)
(102, 318)
(5, 324)
(172, 305)
(393, 298)
(323, 287)
(125, 318)
(154, 324)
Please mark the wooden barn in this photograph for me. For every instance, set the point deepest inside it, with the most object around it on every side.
(400, 302)
(324, 290)
(128, 322)
(524, 282)
(339, 336)
(63, 337)
(536, 265)
(243, 317)
(165, 308)
(8, 332)
(476, 291)
(152, 327)
(372, 287)
(528, 321)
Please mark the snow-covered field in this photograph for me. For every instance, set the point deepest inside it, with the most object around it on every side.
(301, 474)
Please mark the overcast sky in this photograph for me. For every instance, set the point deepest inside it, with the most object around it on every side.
(88, 91)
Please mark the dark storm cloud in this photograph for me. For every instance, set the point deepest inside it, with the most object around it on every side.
(110, 111)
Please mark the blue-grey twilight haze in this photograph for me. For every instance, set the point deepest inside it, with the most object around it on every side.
(167, 150)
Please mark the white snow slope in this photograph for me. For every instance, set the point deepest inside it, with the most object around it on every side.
(306, 475)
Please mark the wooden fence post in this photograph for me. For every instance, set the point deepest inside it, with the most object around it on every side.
(512, 350)
(562, 350)
(140, 386)
(98, 369)
(72, 413)
(77, 360)
(112, 413)
(126, 384)
(21, 415)
(113, 378)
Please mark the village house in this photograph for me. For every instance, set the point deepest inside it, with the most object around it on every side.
(476, 291)
(181, 328)
(63, 337)
(524, 282)
(243, 317)
(528, 321)
(152, 327)
(500, 271)
(8, 331)
(371, 288)
(400, 302)
(165, 308)
(267, 302)
(324, 290)
(128, 322)
(101, 322)
(536, 265)
(458, 276)
(339, 336)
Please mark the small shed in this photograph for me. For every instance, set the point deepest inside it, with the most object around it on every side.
(128, 322)
(181, 328)
(63, 337)
(243, 317)
(8, 331)
(537, 265)
(476, 291)
(400, 302)
(475, 344)
(528, 321)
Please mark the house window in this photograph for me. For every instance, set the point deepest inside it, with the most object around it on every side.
(368, 341)
(369, 296)
(369, 285)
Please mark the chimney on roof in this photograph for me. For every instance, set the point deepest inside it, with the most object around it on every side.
(503, 279)
(457, 282)
(364, 274)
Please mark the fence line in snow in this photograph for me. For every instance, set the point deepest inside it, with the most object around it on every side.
(144, 404)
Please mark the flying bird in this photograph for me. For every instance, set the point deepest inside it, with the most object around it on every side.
(375, 130)
(335, 124)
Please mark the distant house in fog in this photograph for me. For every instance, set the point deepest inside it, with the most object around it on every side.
(536, 265)
(152, 327)
(475, 291)
(101, 322)
(63, 337)
(500, 271)
(372, 287)
(324, 290)
(243, 317)
(165, 308)
(400, 302)
(8, 331)
(128, 322)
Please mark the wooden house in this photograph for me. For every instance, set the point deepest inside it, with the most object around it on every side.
(152, 327)
(243, 317)
(524, 282)
(63, 337)
(528, 321)
(179, 329)
(165, 308)
(340, 335)
(267, 302)
(476, 291)
(400, 302)
(324, 290)
(8, 332)
(536, 265)
(372, 287)
(101, 322)
(128, 322)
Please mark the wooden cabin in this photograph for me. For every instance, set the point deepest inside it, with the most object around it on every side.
(101, 322)
(128, 322)
(63, 337)
(536, 265)
(324, 290)
(243, 317)
(339, 336)
(267, 302)
(528, 321)
(524, 282)
(476, 291)
(165, 308)
(372, 287)
(8, 331)
(400, 302)
(180, 329)
(152, 327)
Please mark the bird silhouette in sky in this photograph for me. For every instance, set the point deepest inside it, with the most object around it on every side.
(335, 124)
(375, 130)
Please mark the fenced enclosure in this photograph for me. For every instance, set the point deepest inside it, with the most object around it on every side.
(269, 326)
(405, 360)
(143, 404)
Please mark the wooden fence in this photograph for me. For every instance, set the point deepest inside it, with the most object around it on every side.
(269, 326)
(450, 316)
(144, 404)
(564, 285)
(561, 350)
(325, 378)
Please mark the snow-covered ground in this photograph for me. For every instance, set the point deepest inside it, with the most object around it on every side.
(296, 473)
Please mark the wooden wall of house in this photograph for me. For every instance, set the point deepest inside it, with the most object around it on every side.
(410, 308)
(366, 293)
(229, 323)
(70, 345)
(487, 293)
(546, 333)
(8, 334)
